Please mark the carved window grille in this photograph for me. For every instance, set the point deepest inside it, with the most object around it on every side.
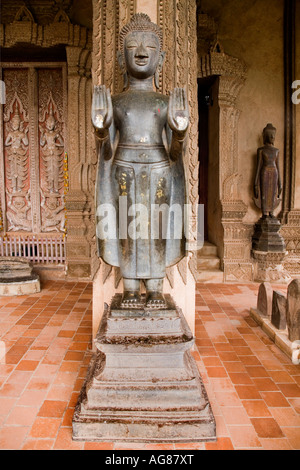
(33, 136)
(36, 249)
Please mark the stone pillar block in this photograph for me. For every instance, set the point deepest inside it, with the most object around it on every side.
(264, 300)
(279, 304)
(293, 310)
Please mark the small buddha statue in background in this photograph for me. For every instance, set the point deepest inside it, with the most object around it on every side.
(267, 186)
(267, 189)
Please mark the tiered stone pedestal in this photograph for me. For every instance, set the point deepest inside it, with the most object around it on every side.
(268, 250)
(266, 235)
(143, 385)
(17, 278)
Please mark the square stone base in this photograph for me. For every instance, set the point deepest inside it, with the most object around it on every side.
(268, 267)
(143, 385)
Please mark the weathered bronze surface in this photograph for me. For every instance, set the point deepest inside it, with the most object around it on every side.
(279, 305)
(267, 187)
(267, 190)
(141, 135)
(266, 235)
(293, 310)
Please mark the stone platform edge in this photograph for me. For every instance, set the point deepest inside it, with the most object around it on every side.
(279, 337)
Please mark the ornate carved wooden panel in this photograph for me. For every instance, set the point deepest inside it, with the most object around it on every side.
(16, 178)
(33, 141)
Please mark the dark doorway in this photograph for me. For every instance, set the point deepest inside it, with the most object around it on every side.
(204, 102)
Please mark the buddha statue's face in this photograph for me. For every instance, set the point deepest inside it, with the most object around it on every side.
(269, 137)
(142, 54)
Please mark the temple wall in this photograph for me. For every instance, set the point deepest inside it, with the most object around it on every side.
(150, 8)
(256, 38)
(249, 45)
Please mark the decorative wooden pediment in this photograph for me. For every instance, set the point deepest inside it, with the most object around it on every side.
(217, 47)
(24, 29)
(61, 17)
(24, 15)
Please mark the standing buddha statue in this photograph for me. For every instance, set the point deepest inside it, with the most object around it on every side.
(140, 134)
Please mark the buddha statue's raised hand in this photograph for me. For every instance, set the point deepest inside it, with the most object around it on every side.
(102, 110)
(178, 112)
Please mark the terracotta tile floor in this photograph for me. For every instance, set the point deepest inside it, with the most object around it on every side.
(252, 386)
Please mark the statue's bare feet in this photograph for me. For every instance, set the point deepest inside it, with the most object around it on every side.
(131, 299)
(155, 300)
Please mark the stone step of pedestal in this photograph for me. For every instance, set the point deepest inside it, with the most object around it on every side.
(208, 249)
(145, 427)
(210, 276)
(144, 325)
(176, 396)
(114, 376)
(148, 412)
(208, 263)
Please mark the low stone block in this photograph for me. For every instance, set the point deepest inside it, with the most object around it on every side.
(17, 278)
(264, 300)
(14, 268)
(279, 305)
(293, 310)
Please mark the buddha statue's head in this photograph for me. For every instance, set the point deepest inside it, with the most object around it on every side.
(141, 54)
(269, 133)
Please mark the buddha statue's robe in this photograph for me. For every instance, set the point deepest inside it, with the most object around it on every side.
(136, 176)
